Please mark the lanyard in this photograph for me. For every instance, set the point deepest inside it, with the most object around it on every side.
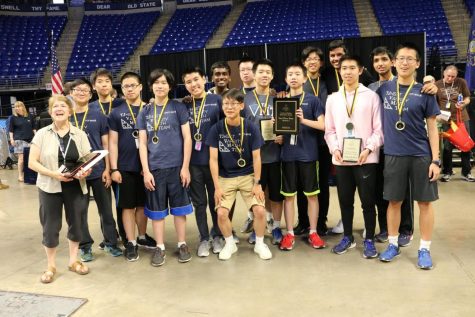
(349, 111)
(132, 113)
(400, 106)
(102, 107)
(200, 112)
(266, 105)
(448, 93)
(239, 149)
(156, 123)
(337, 78)
(83, 119)
(315, 91)
(65, 152)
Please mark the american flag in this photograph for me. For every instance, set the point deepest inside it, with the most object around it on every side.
(56, 78)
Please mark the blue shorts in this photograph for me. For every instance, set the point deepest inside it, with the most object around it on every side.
(169, 196)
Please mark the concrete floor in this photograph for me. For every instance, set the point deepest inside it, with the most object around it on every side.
(303, 282)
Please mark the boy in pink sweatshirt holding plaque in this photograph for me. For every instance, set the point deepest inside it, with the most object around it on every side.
(353, 132)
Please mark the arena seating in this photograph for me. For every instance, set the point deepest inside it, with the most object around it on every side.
(292, 21)
(107, 41)
(422, 16)
(470, 6)
(24, 49)
(190, 29)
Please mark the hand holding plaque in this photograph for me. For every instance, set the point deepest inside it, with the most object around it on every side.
(351, 149)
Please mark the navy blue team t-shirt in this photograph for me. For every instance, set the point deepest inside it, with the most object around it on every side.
(95, 126)
(22, 127)
(270, 151)
(227, 154)
(413, 140)
(305, 148)
(211, 114)
(168, 152)
(121, 121)
(96, 105)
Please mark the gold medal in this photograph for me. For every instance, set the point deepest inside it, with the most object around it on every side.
(400, 125)
(241, 162)
(155, 139)
(198, 137)
(135, 134)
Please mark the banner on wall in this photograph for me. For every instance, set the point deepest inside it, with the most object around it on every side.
(32, 8)
(123, 6)
(183, 2)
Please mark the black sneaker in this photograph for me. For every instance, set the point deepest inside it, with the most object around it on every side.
(158, 257)
(101, 246)
(184, 254)
(301, 230)
(131, 252)
(148, 242)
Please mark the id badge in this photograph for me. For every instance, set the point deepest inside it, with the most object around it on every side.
(137, 143)
(198, 146)
(293, 139)
(447, 105)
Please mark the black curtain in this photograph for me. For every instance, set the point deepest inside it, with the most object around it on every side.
(232, 53)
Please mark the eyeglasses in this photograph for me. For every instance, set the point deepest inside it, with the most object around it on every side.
(81, 91)
(409, 60)
(312, 59)
(131, 86)
(231, 104)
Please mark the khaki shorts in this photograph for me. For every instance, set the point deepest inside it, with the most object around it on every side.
(243, 184)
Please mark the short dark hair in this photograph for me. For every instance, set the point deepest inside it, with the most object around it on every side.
(191, 70)
(296, 63)
(131, 75)
(309, 50)
(81, 81)
(381, 50)
(336, 44)
(263, 61)
(220, 64)
(352, 57)
(67, 88)
(245, 59)
(234, 94)
(159, 72)
(411, 46)
(100, 72)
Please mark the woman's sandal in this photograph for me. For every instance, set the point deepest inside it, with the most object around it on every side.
(48, 275)
(79, 268)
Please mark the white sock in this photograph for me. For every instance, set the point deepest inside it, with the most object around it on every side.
(393, 240)
(161, 246)
(180, 243)
(250, 215)
(229, 239)
(276, 224)
(425, 245)
(134, 242)
(259, 240)
(291, 232)
(268, 216)
(142, 237)
(312, 231)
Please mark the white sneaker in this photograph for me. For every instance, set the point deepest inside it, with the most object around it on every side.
(235, 237)
(338, 228)
(227, 251)
(469, 178)
(263, 251)
(218, 244)
(203, 248)
(363, 235)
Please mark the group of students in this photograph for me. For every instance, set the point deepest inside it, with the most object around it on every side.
(171, 157)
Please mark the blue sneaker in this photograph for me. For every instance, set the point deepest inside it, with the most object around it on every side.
(344, 245)
(369, 250)
(381, 237)
(276, 236)
(86, 255)
(390, 253)
(113, 250)
(424, 261)
(252, 238)
(404, 239)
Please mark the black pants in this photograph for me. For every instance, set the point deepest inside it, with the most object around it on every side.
(407, 207)
(118, 210)
(51, 212)
(447, 156)
(363, 178)
(103, 199)
(202, 195)
(324, 165)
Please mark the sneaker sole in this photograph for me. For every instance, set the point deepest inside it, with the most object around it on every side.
(317, 246)
(352, 246)
(134, 259)
(287, 249)
(370, 257)
(185, 260)
(387, 260)
(203, 255)
(425, 268)
(146, 246)
(158, 264)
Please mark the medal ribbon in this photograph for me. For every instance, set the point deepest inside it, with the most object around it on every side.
(315, 92)
(400, 105)
(156, 123)
(337, 78)
(132, 113)
(200, 112)
(266, 105)
(102, 107)
(447, 93)
(239, 149)
(349, 110)
(83, 119)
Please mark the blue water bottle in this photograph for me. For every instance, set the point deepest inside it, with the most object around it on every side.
(460, 99)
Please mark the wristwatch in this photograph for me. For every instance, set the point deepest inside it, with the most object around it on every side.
(257, 182)
(113, 170)
(436, 162)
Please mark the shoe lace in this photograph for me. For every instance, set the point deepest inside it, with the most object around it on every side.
(369, 245)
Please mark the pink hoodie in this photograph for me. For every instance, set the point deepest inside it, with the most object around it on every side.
(366, 119)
